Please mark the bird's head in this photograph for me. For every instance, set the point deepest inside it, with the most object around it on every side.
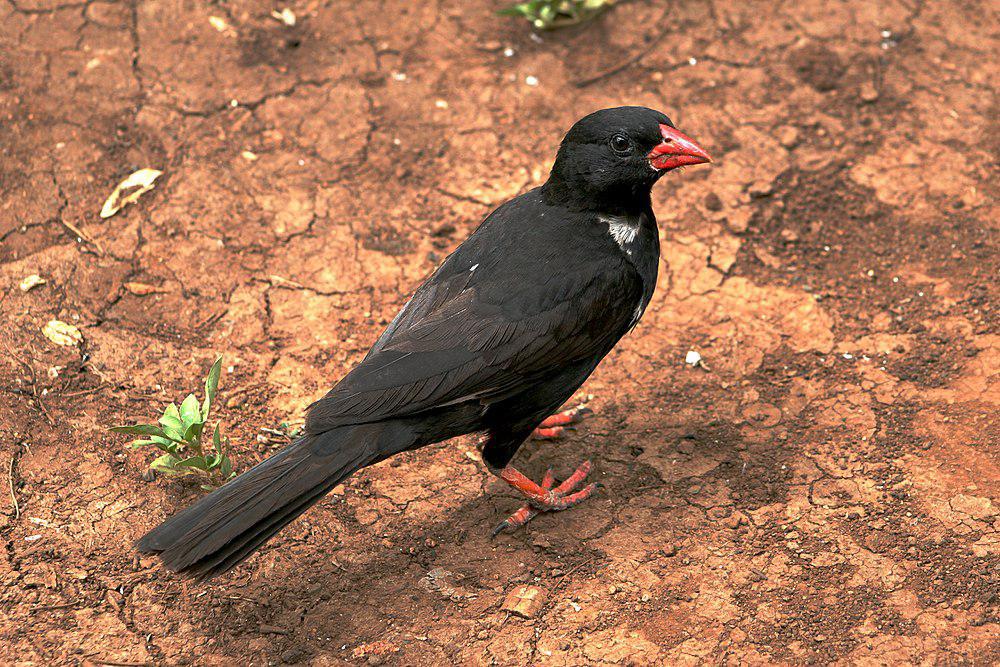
(615, 155)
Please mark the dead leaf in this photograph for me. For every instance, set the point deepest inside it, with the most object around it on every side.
(142, 180)
(219, 23)
(286, 16)
(142, 289)
(34, 280)
(278, 281)
(61, 333)
(525, 601)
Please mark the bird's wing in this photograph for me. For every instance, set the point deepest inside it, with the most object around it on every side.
(481, 331)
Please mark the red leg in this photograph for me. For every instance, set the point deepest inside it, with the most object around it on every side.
(552, 427)
(527, 512)
(542, 497)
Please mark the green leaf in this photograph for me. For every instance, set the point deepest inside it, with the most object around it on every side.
(136, 444)
(226, 467)
(163, 444)
(198, 462)
(140, 429)
(171, 415)
(212, 460)
(166, 463)
(217, 439)
(514, 10)
(551, 14)
(211, 387)
(192, 435)
(190, 414)
(173, 425)
(175, 435)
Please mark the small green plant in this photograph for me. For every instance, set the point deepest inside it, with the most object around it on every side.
(179, 436)
(552, 14)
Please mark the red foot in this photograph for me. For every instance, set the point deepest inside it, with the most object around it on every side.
(554, 426)
(542, 497)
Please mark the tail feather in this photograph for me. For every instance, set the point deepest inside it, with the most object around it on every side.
(225, 527)
(240, 549)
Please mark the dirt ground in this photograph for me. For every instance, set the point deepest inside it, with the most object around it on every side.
(825, 487)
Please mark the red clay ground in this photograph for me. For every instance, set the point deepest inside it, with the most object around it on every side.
(826, 488)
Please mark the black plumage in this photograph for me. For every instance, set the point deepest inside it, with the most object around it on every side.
(497, 339)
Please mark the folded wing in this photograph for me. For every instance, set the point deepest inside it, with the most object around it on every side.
(483, 331)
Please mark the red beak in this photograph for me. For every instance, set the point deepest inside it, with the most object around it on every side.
(676, 150)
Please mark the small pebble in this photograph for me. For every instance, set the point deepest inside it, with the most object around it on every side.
(868, 92)
(788, 136)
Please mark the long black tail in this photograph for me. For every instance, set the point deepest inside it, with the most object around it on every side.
(222, 529)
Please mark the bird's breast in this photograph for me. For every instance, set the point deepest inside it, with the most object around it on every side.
(636, 238)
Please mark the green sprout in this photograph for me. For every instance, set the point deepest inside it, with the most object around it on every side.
(552, 14)
(179, 437)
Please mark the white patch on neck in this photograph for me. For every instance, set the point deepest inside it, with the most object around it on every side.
(622, 230)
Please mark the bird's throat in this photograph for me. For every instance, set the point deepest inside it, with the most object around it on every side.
(622, 201)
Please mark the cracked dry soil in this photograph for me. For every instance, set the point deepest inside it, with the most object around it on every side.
(824, 490)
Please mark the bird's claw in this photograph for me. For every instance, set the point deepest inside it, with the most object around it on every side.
(543, 498)
(554, 426)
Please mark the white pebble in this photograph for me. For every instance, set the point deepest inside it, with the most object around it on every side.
(531, 80)
(692, 358)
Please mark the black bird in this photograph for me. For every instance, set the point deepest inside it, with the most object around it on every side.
(498, 338)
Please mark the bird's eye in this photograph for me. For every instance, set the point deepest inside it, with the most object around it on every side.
(620, 143)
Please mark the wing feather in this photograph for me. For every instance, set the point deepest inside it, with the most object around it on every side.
(481, 335)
